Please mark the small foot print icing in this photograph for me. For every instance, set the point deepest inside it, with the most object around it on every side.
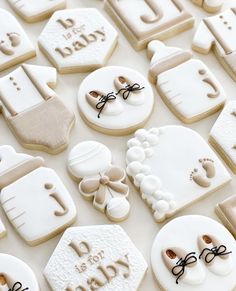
(208, 166)
(96, 257)
(211, 6)
(200, 179)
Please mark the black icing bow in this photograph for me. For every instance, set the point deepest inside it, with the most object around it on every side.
(17, 287)
(103, 101)
(214, 252)
(129, 89)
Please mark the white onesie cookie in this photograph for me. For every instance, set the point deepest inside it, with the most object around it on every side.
(211, 6)
(95, 257)
(115, 100)
(173, 166)
(78, 40)
(15, 46)
(194, 252)
(33, 197)
(186, 85)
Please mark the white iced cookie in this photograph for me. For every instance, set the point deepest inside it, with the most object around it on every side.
(33, 110)
(145, 20)
(3, 231)
(223, 134)
(78, 40)
(90, 162)
(115, 100)
(33, 197)
(186, 85)
(173, 166)
(211, 6)
(16, 275)
(33, 11)
(15, 46)
(194, 252)
(95, 257)
(217, 33)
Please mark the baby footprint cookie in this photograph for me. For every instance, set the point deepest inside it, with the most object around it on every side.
(211, 6)
(96, 257)
(172, 166)
(100, 181)
(15, 46)
(34, 199)
(186, 85)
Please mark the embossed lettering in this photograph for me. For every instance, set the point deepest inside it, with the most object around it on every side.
(67, 23)
(81, 248)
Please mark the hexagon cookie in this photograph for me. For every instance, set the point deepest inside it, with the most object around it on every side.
(94, 257)
(78, 40)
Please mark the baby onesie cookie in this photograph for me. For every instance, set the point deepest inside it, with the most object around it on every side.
(226, 212)
(115, 100)
(217, 33)
(186, 85)
(102, 182)
(33, 197)
(95, 257)
(194, 252)
(15, 275)
(211, 6)
(32, 109)
(223, 135)
(78, 40)
(172, 166)
(145, 20)
(3, 231)
(15, 46)
(33, 11)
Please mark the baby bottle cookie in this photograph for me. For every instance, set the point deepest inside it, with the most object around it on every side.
(96, 257)
(33, 197)
(15, 46)
(211, 6)
(186, 85)
(100, 180)
(32, 109)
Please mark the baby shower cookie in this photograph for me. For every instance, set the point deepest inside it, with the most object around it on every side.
(223, 135)
(115, 100)
(34, 113)
(3, 231)
(95, 257)
(90, 163)
(217, 33)
(34, 199)
(172, 166)
(194, 252)
(78, 40)
(145, 20)
(186, 85)
(33, 11)
(15, 275)
(211, 6)
(15, 46)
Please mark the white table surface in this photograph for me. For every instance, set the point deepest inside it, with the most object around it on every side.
(140, 225)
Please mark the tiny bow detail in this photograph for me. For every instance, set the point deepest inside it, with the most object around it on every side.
(213, 253)
(129, 89)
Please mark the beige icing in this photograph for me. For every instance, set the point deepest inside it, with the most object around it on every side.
(203, 179)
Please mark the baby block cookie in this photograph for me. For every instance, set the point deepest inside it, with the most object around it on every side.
(173, 166)
(145, 20)
(33, 197)
(218, 33)
(15, 46)
(194, 252)
(186, 85)
(78, 40)
(95, 257)
(210, 6)
(32, 109)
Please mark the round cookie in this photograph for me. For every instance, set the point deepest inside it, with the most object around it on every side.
(115, 100)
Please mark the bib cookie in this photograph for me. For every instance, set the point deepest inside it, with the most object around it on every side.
(16, 275)
(100, 180)
(186, 85)
(211, 6)
(145, 20)
(33, 197)
(115, 100)
(78, 40)
(194, 252)
(32, 11)
(172, 166)
(15, 46)
(95, 257)
(32, 109)
(217, 33)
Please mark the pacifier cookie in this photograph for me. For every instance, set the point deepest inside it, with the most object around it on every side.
(95, 257)
(100, 180)
(78, 40)
(172, 166)
(211, 6)
(115, 100)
